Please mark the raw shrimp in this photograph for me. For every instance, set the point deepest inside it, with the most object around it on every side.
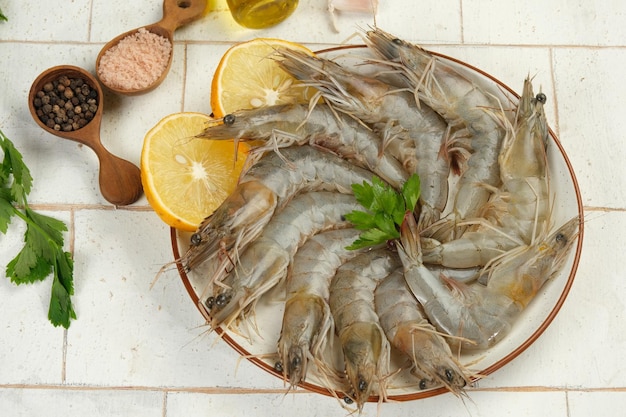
(365, 348)
(394, 112)
(296, 124)
(264, 262)
(263, 190)
(408, 330)
(524, 195)
(483, 314)
(463, 104)
(307, 322)
(519, 209)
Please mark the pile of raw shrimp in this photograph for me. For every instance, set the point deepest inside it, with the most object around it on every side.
(472, 255)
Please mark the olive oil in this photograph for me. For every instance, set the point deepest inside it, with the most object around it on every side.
(258, 14)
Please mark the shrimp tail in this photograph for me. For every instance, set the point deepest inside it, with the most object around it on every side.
(456, 149)
(410, 250)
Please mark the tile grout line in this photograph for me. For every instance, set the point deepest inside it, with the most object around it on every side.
(604, 209)
(147, 208)
(72, 246)
(96, 207)
(164, 410)
(461, 22)
(89, 21)
(556, 100)
(325, 44)
(236, 391)
(182, 98)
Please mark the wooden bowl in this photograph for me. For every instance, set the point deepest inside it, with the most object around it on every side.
(120, 180)
(175, 14)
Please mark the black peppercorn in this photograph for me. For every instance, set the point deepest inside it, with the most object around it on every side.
(66, 104)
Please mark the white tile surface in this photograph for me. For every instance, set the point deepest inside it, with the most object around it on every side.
(29, 21)
(591, 95)
(596, 403)
(432, 21)
(144, 352)
(96, 403)
(478, 404)
(31, 348)
(536, 22)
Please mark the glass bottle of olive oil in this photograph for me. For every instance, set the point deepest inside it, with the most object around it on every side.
(258, 14)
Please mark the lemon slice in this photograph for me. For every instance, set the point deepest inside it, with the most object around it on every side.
(248, 76)
(185, 178)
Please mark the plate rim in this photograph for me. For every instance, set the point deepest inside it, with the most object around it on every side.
(483, 373)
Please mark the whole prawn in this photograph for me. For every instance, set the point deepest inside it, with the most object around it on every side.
(483, 314)
(264, 262)
(307, 322)
(296, 124)
(466, 108)
(365, 348)
(408, 330)
(264, 189)
(519, 209)
(396, 115)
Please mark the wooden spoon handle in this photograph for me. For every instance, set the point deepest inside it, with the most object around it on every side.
(120, 180)
(177, 13)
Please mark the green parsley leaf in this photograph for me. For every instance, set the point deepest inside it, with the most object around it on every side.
(386, 208)
(13, 165)
(364, 194)
(61, 310)
(2, 16)
(42, 253)
(27, 267)
(361, 220)
(6, 210)
(411, 192)
(371, 237)
(45, 235)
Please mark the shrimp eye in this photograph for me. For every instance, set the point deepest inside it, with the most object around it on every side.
(295, 362)
(423, 384)
(196, 239)
(541, 98)
(221, 300)
(347, 400)
(210, 302)
(278, 366)
(560, 238)
(449, 375)
(397, 41)
(362, 385)
(229, 119)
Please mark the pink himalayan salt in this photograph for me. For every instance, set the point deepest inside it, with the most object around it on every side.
(136, 62)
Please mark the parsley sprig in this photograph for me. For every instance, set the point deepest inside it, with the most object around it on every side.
(386, 209)
(2, 16)
(43, 252)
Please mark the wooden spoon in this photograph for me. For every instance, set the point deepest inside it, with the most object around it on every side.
(120, 180)
(176, 13)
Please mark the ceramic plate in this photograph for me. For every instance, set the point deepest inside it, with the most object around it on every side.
(531, 323)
